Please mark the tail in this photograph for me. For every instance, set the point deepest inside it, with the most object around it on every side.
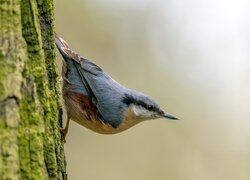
(62, 45)
(60, 42)
(65, 50)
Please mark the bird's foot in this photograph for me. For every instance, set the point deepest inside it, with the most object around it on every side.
(64, 132)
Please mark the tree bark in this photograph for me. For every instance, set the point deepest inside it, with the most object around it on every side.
(31, 146)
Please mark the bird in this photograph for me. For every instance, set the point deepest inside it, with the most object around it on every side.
(96, 101)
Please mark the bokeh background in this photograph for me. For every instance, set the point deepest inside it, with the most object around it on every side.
(193, 57)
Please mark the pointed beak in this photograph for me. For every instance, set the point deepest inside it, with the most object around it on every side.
(169, 116)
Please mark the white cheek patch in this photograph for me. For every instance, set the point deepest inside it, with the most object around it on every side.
(136, 109)
(141, 111)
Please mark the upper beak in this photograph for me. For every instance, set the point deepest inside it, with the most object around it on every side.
(169, 116)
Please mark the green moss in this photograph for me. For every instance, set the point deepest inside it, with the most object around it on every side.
(24, 152)
(8, 138)
(11, 67)
(3, 80)
(3, 75)
(40, 64)
(9, 153)
(29, 135)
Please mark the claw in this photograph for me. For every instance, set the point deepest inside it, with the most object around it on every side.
(64, 132)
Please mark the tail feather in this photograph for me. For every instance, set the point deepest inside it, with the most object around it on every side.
(67, 53)
(60, 42)
(65, 50)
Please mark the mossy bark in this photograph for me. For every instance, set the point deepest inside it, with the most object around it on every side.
(30, 142)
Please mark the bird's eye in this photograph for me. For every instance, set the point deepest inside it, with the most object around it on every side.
(150, 108)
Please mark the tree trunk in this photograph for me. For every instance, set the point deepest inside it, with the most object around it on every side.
(30, 142)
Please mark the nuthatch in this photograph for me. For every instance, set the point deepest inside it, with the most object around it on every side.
(95, 100)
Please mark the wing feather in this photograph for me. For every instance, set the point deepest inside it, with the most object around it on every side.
(105, 93)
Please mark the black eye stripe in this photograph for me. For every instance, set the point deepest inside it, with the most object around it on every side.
(128, 100)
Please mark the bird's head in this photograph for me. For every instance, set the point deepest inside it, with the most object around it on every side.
(144, 107)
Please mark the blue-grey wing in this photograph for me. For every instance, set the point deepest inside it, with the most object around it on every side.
(107, 93)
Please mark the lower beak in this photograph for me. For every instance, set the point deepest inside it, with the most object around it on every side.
(169, 116)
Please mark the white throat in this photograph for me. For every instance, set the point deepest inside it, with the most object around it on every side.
(142, 112)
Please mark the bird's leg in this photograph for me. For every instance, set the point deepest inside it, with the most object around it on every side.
(64, 130)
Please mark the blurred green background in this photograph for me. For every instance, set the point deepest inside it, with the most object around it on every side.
(193, 57)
